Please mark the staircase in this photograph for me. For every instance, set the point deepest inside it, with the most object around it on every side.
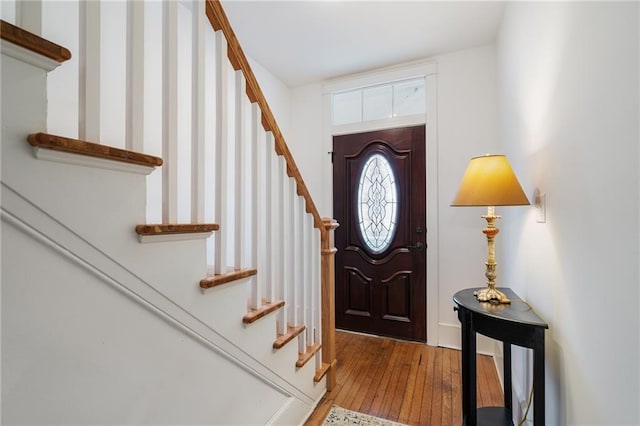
(201, 292)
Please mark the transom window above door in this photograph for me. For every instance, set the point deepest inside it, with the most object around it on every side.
(382, 101)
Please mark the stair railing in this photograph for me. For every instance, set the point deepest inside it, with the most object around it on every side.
(219, 22)
(150, 76)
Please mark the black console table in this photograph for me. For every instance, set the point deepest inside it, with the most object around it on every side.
(515, 324)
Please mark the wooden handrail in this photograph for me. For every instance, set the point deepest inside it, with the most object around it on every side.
(219, 21)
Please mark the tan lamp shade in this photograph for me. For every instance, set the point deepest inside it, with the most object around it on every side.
(490, 181)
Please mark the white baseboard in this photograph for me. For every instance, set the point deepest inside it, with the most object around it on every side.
(293, 412)
(498, 360)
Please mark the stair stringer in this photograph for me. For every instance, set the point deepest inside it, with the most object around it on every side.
(68, 207)
(257, 338)
(59, 285)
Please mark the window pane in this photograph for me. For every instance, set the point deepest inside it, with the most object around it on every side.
(347, 107)
(408, 97)
(377, 102)
(377, 204)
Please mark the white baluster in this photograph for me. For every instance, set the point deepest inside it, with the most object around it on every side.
(169, 113)
(294, 239)
(299, 287)
(134, 127)
(287, 247)
(270, 222)
(153, 140)
(222, 166)
(29, 15)
(9, 12)
(113, 73)
(209, 97)
(293, 255)
(276, 196)
(317, 306)
(89, 53)
(258, 211)
(241, 171)
(198, 116)
(63, 86)
(308, 278)
(302, 263)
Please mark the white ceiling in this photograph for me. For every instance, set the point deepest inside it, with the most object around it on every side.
(305, 41)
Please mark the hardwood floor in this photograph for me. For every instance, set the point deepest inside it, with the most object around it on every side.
(406, 382)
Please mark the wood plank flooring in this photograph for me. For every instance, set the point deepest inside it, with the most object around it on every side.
(406, 382)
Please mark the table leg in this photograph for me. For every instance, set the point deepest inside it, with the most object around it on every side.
(506, 376)
(538, 378)
(469, 414)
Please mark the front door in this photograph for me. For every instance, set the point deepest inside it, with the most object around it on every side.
(379, 181)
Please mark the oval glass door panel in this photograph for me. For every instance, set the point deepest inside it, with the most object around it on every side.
(377, 203)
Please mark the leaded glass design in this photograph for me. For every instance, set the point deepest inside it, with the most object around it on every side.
(377, 203)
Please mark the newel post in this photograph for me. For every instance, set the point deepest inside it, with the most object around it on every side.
(328, 251)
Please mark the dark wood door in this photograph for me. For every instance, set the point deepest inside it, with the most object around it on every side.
(379, 181)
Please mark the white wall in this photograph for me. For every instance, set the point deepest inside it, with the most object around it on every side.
(278, 96)
(299, 113)
(467, 123)
(306, 142)
(90, 354)
(569, 112)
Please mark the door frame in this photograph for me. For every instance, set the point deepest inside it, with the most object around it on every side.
(428, 70)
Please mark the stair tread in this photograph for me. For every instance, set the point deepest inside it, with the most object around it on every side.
(303, 358)
(321, 372)
(91, 149)
(175, 228)
(285, 338)
(33, 42)
(262, 311)
(216, 280)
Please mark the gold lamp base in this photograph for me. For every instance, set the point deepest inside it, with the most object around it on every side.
(491, 295)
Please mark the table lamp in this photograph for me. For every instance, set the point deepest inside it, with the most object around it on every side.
(489, 181)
